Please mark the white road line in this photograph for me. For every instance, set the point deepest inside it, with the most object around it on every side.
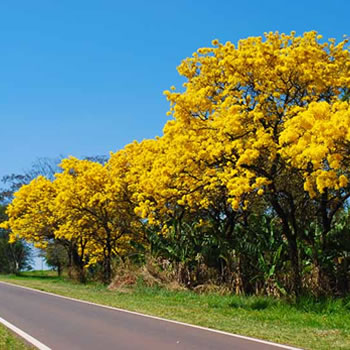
(281, 346)
(24, 335)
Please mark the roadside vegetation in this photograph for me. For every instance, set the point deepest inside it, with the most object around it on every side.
(240, 208)
(13, 257)
(9, 341)
(308, 323)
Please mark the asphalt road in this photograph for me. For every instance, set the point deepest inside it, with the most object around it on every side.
(68, 325)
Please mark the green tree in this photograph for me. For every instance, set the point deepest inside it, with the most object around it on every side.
(14, 257)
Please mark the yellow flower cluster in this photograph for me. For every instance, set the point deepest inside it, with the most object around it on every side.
(316, 141)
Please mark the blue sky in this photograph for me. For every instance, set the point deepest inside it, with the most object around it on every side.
(86, 77)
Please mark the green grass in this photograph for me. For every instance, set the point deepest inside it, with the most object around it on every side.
(308, 323)
(9, 341)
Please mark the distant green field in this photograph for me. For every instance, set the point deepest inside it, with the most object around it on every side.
(309, 324)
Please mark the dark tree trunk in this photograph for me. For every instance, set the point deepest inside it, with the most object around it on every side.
(294, 258)
(79, 265)
(292, 242)
(108, 257)
(59, 270)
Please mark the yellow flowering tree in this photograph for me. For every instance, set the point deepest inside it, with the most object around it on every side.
(94, 204)
(30, 215)
(87, 207)
(169, 186)
(34, 218)
(239, 123)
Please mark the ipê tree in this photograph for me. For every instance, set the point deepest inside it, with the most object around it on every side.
(93, 201)
(181, 199)
(30, 215)
(249, 106)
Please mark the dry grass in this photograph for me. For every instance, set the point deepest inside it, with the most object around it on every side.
(150, 275)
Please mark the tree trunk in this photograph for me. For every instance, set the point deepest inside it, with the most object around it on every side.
(294, 258)
(59, 270)
(292, 242)
(108, 258)
(79, 265)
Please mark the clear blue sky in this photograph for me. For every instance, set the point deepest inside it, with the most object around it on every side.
(86, 77)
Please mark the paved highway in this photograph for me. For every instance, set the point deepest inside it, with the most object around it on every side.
(69, 325)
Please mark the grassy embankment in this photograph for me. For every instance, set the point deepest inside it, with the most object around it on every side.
(9, 341)
(308, 324)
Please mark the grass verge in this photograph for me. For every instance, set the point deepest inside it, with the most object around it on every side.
(9, 341)
(309, 324)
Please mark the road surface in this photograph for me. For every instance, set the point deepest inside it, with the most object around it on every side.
(69, 325)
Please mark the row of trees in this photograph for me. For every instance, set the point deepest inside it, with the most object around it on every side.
(250, 178)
